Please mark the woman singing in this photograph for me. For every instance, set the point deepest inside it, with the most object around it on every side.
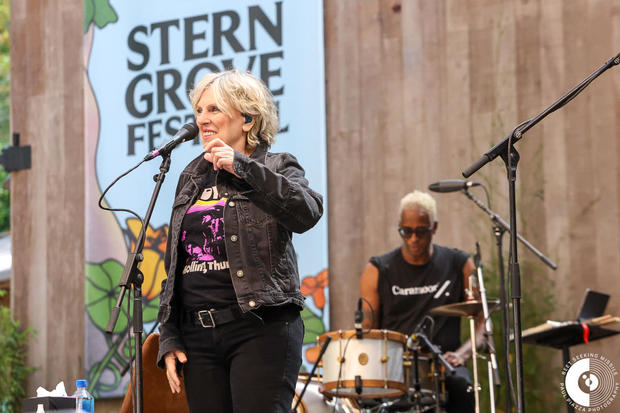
(229, 312)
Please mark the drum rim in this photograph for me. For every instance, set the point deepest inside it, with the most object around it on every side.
(372, 333)
(397, 388)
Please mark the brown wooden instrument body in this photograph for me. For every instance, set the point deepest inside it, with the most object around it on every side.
(156, 392)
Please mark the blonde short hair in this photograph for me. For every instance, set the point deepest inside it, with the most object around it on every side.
(420, 201)
(245, 93)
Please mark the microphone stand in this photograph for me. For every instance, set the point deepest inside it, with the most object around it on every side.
(316, 363)
(510, 156)
(433, 348)
(421, 337)
(132, 277)
(499, 227)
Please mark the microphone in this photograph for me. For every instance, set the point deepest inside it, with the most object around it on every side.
(359, 318)
(185, 133)
(452, 185)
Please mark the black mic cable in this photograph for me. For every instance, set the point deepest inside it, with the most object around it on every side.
(359, 319)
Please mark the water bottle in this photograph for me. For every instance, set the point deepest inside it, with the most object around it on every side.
(84, 401)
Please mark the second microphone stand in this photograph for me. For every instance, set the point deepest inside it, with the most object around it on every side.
(499, 228)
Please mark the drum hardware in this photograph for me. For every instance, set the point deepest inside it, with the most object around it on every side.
(433, 349)
(385, 358)
(421, 400)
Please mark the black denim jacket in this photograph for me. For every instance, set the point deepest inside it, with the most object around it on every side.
(264, 208)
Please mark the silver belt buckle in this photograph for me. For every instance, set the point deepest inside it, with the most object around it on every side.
(202, 322)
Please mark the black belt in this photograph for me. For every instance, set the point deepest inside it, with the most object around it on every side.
(212, 318)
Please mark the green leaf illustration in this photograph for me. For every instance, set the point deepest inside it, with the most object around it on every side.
(99, 12)
(314, 326)
(89, 13)
(101, 292)
(150, 310)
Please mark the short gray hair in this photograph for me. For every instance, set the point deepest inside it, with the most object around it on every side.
(420, 201)
(247, 94)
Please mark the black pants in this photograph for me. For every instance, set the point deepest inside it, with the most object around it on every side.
(244, 366)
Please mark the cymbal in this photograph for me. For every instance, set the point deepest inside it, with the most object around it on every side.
(464, 309)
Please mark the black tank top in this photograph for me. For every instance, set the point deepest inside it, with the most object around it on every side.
(407, 292)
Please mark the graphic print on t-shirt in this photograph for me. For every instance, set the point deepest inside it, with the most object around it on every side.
(203, 234)
(205, 277)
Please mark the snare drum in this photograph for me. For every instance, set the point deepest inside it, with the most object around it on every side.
(370, 367)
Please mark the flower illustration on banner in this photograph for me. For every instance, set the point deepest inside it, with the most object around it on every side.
(314, 287)
(152, 266)
(101, 295)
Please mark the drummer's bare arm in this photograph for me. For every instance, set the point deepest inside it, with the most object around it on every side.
(369, 291)
(463, 353)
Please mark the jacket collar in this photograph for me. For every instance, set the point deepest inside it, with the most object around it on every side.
(260, 152)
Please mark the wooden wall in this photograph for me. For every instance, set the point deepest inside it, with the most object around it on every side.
(417, 90)
(47, 211)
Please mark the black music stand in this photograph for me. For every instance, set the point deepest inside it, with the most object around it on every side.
(564, 337)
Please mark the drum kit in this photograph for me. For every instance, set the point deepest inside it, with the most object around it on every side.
(366, 371)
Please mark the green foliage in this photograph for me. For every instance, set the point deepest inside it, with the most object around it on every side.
(13, 368)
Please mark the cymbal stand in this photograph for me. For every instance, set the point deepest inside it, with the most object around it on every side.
(488, 324)
(474, 359)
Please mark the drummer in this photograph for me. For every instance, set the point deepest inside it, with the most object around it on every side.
(404, 284)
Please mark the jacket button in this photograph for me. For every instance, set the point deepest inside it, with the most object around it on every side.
(234, 238)
(240, 273)
(231, 203)
(252, 303)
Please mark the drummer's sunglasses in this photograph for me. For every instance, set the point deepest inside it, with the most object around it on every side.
(407, 232)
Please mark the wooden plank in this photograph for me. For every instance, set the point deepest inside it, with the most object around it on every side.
(48, 200)
(344, 146)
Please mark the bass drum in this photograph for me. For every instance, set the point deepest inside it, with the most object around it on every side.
(314, 402)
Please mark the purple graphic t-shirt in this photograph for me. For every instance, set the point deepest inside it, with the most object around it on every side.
(205, 278)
